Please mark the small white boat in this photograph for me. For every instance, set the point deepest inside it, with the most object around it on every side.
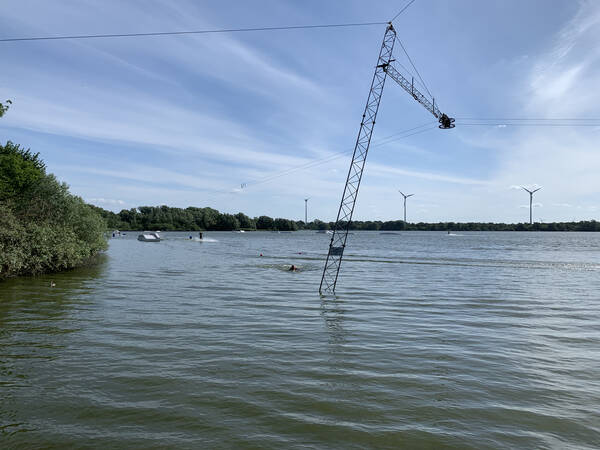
(149, 236)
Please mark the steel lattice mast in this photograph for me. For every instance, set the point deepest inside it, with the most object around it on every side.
(344, 217)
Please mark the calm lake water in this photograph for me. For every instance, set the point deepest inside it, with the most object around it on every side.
(479, 340)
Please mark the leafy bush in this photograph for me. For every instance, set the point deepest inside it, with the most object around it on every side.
(4, 107)
(43, 228)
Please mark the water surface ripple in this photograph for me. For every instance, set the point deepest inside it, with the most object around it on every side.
(480, 340)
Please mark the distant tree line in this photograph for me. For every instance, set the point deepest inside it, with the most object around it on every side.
(190, 219)
(199, 219)
(400, 225)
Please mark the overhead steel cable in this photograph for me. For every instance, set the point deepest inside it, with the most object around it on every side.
(175, 33)
(413, 65)
(431, 125)
(402, 10)
(384, 141)
(316, 162)
(529, 119)
(508, 124)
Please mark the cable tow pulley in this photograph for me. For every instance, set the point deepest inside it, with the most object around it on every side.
(446, 122)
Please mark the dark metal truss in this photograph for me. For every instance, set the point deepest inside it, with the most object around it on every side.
(409, 86)
(344, 217)
(384, 68)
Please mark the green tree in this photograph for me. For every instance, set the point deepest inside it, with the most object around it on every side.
(4, 107)
(245, 221)
(210, 218)
(19, 171)
(43, 228)
(319, 225)
(227, 222)
(284, 225)
(132, 219)
(264, 223)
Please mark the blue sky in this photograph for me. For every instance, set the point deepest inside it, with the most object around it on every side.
(185, 120)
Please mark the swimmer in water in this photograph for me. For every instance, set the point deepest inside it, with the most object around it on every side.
(293, 268)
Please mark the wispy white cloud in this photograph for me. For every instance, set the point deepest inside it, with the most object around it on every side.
(106, 201)
(564, 160)
(446, 178)
(560, 79)
(172, 120)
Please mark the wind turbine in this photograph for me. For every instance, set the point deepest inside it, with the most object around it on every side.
(306, 210)
(405, 197)
(530, 202)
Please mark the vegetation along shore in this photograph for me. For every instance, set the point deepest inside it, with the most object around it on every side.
(43, 228)
(167, 218)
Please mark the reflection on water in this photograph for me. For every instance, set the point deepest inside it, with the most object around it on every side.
(332, 311)
(36, 315)
(475, 340)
